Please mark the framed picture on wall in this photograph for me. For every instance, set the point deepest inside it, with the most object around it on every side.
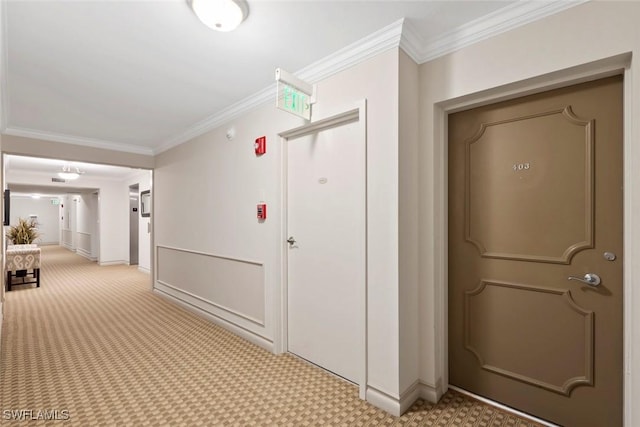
(145, 203)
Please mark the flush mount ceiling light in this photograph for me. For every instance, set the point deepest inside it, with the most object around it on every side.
(67, 173)
(220, 15)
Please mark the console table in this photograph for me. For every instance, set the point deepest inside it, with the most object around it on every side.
(23, 258)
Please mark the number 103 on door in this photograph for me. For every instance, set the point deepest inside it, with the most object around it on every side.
(521, 166)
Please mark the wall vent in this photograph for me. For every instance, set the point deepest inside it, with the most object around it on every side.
(58, 180)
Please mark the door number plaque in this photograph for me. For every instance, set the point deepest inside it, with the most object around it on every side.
(521, 166)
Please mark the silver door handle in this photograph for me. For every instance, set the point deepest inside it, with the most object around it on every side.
(590, 279)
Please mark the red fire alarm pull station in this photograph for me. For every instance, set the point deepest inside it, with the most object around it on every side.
(262, 211)
(261, 145)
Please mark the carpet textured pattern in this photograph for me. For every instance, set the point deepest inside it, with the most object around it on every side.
(93, 346)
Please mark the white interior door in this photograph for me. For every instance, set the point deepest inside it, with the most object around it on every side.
(326, 265)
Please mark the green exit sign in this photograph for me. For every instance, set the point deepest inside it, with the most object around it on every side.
(55, 201)
(294, 101)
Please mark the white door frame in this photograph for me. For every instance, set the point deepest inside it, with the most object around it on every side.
(606, 67)
(356, 114)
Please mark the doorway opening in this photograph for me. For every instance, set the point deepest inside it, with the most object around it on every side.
(87, 212)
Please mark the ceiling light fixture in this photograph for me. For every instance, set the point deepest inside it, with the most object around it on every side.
(220, 15)
(68, 174)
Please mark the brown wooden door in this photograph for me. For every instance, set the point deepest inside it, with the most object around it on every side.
(535, 196)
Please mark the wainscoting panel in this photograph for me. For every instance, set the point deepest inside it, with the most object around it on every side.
(213, 283)
(67, 239)
(84, 245)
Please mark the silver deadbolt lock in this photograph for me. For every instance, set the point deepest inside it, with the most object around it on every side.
(609, 256)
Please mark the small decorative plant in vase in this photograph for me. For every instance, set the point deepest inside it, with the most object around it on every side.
(24, 233)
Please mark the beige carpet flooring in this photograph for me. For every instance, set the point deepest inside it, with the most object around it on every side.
(95, 345)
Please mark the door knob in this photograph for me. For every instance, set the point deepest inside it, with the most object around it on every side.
(590, 279)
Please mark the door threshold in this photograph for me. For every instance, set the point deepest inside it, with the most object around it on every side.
(503, 407)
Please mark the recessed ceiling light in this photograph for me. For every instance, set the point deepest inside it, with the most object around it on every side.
(220, 15)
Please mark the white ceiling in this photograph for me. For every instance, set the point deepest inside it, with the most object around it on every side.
(35, 167)
(142, 76)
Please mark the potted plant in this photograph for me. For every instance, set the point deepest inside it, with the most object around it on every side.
(24, 233)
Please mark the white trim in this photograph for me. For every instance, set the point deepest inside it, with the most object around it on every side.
(218, 119)
(86, 254)
(181, 292)
(574, 75)
(411, 42)
(398, 406)
(229, 258)
(383, 401)
(502, 20)
(357, 114)
(503, 407)
(248, 335)
(366, 48)
(78, 140)
(631, 299)
(115, 262)
(144, 270)
(399, 33)
(206, 301)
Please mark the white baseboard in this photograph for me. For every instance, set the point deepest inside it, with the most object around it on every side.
(116, 262)
(248, 335)
(431, 393)
(398, 406)
(144, 270)
(384, 401)
(86, 254)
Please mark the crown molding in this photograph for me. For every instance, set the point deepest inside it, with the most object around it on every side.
(366, 48)
(220, 118)
(410, 42)
(401, 34)
(502, 20)
(76, 140)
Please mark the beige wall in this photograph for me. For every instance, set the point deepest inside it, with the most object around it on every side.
(376, 80)
(408, 226)
(205, 194)
(206, 191)
(556, 50)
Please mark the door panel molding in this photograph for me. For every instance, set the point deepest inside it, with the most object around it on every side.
(513, 340)
(556, 301)
(509, 175)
